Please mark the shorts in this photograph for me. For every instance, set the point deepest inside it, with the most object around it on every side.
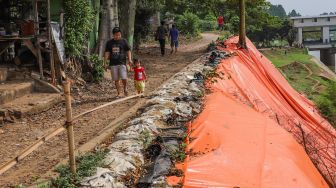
(119, 72)
(139, 85)
(174, 43)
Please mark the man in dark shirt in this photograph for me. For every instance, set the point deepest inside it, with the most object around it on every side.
(161, 34)
(116, 51)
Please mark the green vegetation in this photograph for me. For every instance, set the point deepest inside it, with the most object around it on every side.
(293, 13)
(188, 24)
(86, 165)
(79, 22)
(265, 22)
(98, 67)
(146, 138)
(282, 57)
(304, 76)
(209, 23)
(327, 103)
(277, 10)
(180, 154)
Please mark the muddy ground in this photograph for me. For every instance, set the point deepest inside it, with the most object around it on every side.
(14, 138)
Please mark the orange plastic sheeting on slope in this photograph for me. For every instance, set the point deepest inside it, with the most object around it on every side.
(235, 146)
(253, 80)
(250, 132)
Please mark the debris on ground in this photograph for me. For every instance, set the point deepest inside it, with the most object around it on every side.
(154, 140)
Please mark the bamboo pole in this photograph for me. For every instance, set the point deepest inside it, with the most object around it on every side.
(30, 149)
(242, 29)
(71, 140)
(105, 105)
(51, 53)
(55, 132)
(37, 33)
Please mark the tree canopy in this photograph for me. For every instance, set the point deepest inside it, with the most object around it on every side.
(277, 10)
(293, 13)
(264, 21)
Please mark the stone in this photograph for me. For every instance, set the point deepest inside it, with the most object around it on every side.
(3, 112)
(17, 114)
(2, 120)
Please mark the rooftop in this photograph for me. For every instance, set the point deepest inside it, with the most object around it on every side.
(308, 17)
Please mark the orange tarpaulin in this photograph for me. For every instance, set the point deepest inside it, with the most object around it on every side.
(250, 131)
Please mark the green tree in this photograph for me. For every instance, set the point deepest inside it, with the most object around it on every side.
(284, 29)
(78, 23)
(291, 36)
(188, 23)
(277, 10)
(144, 11)
(293, 13)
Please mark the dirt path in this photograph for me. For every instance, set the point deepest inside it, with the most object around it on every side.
(14, 138)
(310, 76)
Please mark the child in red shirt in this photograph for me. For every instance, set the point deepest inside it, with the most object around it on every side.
(139, 76)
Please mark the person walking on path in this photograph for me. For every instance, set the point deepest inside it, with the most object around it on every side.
(161, 35)
(174, 36)
(220, 22)
(116, 51)
(140, 77)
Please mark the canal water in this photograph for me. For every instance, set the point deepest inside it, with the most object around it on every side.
(315, 54)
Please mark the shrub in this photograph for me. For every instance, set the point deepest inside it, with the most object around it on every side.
(224, 35)
(327, 103)
(188, 24)
(234, 24)
(78, 23)
(86, 166)
(98, 67)
(209, 23)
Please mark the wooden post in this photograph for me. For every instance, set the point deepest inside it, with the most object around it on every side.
(51, 53)
(242, 29)
(62, 24)
(37, 33)
(71, 140)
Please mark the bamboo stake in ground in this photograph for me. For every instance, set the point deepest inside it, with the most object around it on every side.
(71, 141)
(242, 29)
(51, 52)
(37, 33)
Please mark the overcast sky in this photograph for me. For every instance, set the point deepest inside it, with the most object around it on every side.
(307, 7)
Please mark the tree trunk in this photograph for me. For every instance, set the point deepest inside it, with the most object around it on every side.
(116, 13)
(127, 19)
(108, 20)
(242, 29)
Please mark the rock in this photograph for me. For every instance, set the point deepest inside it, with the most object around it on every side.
(2, 120)
(10, 119)
(17, 114)
(3, 112)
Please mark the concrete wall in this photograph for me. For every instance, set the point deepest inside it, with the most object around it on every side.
(326, 34)
(327, 57)
(309, 22)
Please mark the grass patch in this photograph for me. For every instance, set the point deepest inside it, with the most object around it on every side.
(327, 103)
(86, 166)
(291, 64)
(282, 57)
(180, 155)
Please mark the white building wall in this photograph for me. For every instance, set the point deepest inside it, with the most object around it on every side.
(300, 35)
(309, 22)
(326, 35)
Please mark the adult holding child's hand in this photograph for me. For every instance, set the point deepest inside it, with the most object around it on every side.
(116, 51)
